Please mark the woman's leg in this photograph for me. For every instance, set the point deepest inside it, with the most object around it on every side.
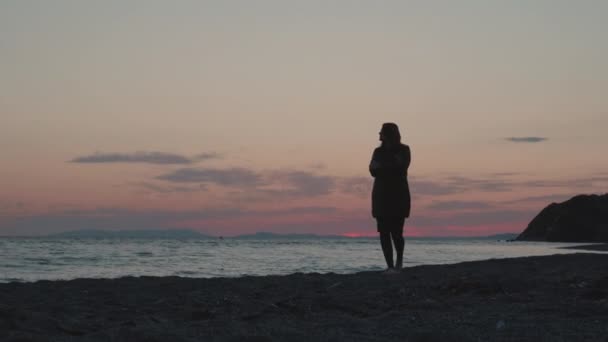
(399, 246)
(397, 235)
(387, 248)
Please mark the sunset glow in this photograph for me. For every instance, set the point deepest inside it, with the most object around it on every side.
(235, 117)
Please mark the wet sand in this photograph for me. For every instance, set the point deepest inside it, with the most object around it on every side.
(548, 298)
(595, 247)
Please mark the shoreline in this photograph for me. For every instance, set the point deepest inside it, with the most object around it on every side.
(540, 298)
(600, 247)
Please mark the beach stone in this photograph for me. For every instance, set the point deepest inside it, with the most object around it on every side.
(539, 303)
(249, 339)
(198, 315)
(7, 318)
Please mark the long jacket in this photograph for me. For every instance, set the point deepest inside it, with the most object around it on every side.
(391, 192)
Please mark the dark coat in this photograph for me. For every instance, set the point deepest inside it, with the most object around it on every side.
(391, 192)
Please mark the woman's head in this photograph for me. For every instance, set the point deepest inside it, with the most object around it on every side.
(389, 134)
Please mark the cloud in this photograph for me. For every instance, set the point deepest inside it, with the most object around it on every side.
(474, 218)
(564, 183)
(433, 187)
(458, 205)
(206, 156)
(161, 158)
(504, 174)
(163, 189)
(458, 184)
(599, 179)
(358, 186)
(481, 184)
(226, 177)
(318, 166)
(266, 184)
(304, 183)
(496, 184)
(547, 199)
(287, 185)
(526, 139)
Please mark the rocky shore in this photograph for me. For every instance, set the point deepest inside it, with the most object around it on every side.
(548, 298)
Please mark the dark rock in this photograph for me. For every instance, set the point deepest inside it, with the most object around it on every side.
(583, 218)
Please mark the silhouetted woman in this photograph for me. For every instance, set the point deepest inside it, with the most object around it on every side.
(391, 194)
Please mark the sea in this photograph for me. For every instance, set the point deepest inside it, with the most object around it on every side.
(33, 259)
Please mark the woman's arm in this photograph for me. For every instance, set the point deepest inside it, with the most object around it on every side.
(374, 165)
(399, 163)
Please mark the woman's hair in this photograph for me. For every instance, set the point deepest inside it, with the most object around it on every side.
(391, 133)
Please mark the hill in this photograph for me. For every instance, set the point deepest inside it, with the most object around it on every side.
(583, 218)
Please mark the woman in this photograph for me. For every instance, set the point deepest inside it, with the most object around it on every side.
(391, 193)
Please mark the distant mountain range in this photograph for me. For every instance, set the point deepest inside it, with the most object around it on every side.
(190, 234)
(268, 235)
(130, 234)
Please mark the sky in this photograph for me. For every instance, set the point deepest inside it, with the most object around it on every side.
(231, 117)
